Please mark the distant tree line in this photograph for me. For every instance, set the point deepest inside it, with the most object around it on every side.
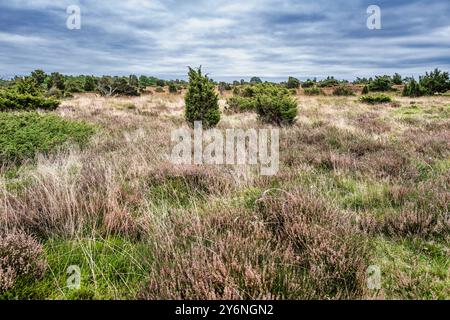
(58, 85)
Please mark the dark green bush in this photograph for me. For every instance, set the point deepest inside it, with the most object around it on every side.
(359, 80)
(202, 102)
(255, 80)
(240, 104)
(309, 83)
(74, 85)
(435, 82)
(279, 111)
(173, 88)
(381, 83)
(56, 80)
(236, 90)
(89, 84)
(276, 109)
(26, 85)
(414, 89)
(365, 90)
(397, 79)
(244, 99)
(23, 135)
(313, 91)
(343, 90)
(329, 82)
(293, 83)
(11, 100)
(38, 76)
(376, 98)
(55, 93)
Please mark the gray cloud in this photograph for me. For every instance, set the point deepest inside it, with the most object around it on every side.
(231, 39)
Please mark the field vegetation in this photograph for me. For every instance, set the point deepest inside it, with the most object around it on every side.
(85, 180)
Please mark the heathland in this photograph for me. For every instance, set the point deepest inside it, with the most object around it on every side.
(86, 181)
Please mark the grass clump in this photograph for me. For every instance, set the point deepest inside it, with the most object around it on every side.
(23, 135)
(111, 268)
(376, 98)
(412, 268)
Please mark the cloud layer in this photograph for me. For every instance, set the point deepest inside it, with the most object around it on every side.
(231, 39)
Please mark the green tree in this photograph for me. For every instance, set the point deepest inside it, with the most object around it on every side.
(293, 83)
(202, 102)
(89, 84)
(397, 79)
(255, 80)
(414, 89)
(173, 88)
(381, 83)
(38, 76)
(56, 80)
(133, 81)
(365, 90)
(435, 82)
(309, 83)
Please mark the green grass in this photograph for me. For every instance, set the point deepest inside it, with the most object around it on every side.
(23, 135)
(413, 268)
(420, 112)
(111, 268)
(176, 192)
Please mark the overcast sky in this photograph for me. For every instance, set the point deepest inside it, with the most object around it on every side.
(229, 38)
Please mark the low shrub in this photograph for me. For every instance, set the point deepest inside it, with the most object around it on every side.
(20, 256)
(381, 83)
(293, 83)
(309, 83)
(329, 82)
(11, 100)
(23, 135)
(435, 82)
(278, 110)
(414, 89)
(312, 91)
(173, 88)
(376, 98)
(159, 89)
(343, 90)
(240, 104)
(365, 90)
